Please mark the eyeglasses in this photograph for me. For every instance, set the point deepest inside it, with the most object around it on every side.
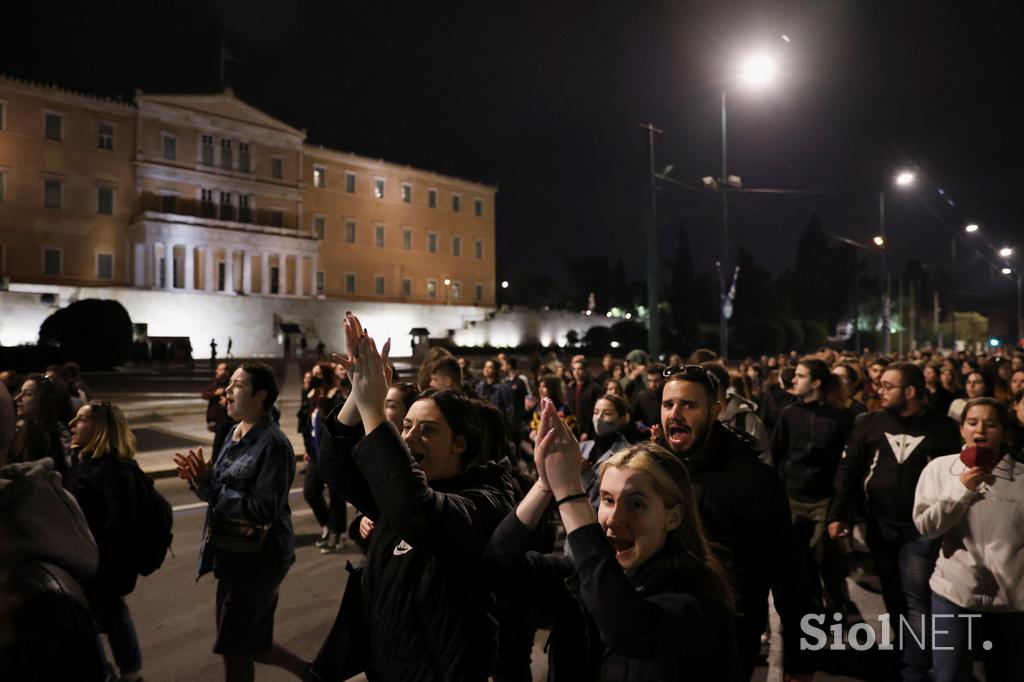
(696, 374)
(884, 386)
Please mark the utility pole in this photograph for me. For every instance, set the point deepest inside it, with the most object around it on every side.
(886, 303)
(952, 291)
(653, 271)
(723, 328)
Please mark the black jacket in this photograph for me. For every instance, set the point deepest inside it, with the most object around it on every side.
(807, 444)
(653, 625)
(883, 460)
(590, 392)
(429, 613)
(745, 512)
(107, 491)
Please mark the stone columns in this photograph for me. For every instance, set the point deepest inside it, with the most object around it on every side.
(312, 275)
(189, 256)
(140, 264)
(246, 272)
(208, 276)
(229, 275)
(168, 266)
(265, 274)
(298, 274)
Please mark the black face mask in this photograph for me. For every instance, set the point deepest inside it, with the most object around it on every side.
(316, 382)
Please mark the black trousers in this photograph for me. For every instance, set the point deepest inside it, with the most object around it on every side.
(332, 512)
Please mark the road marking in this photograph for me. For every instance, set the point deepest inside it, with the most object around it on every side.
(200, 505)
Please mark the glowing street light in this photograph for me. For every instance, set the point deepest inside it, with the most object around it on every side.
(971, 229)
(1006, 252)
(1007, 271)
(504, 284)
(758, 70)
(905, 179)
(879, 241)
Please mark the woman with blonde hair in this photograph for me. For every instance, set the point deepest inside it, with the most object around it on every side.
(106, 488)
(643, 597)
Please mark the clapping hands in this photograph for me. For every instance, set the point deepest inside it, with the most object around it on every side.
(368, 370)
(557, 455)
(192, 467)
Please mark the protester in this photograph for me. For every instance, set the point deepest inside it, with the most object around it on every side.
(247, 541)
(776, 397)
(323, 396)
(550, 387)
(939, 399)
(610, 422)
(582, 394)
(106, 490)
(656, 603)
(884, 457)
(446, 375)
(975, 508)
(646, 404)
(434, 502)
(492, 389)
(217, 420)
(739, 413)
(38, 434)
(7, 422)
(976, 385)
(613, 387)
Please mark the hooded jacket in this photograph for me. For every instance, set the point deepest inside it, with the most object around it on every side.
(883, 461)
(741, 414)
(429, 612)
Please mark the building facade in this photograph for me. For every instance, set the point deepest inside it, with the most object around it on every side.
(206, 193)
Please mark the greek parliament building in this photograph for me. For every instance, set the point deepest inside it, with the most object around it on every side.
(208, 218)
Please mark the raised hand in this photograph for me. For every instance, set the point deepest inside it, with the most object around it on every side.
(192, 467)
(558, 455)
(369, 382)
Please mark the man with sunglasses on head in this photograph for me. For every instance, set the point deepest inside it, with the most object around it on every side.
(745, 512)
(885, 455)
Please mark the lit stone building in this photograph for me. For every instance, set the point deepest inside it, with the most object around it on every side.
(177, 205)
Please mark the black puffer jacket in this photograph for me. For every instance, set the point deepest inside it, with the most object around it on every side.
(807, 444)
(429, 612)
(107, 491)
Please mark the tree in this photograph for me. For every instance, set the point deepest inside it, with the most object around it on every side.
(97, 334)
(682, 294)
(811, 272)
(758, 295)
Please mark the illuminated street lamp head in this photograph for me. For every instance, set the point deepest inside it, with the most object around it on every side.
(905, 179)
(972, 228)
(758, 70)
(879, 241)
(1006, 252)
(1007, 271)
(504, 284)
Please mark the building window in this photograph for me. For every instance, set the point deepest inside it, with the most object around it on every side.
(350, 182)
(478, 293)
(105, 265)
(378, 236)
(3, 185)
(243, 157)
(378, 188)
(350, 232)
(407, 192)
(244, 208)
(275, 279)
(456, 245)
(170, 147)
(407, 240)
(478, 207)
(106, 136)
(105, 200)
(206, 207)
(227, 211)
(478, 249)
(54, 126)
(456, 291)
(52, 262)
(432, 242)
(207, 150)
(319, 281)
(432, 198)
(169, 203)
(406, 287)
(53, 193)
(222, 276)
(318, 226)
(319, 177)
(225, 154)
(277, 168)
(432, 288)
(456, 203)
(378, 285)
(276, 218)
(350, 282)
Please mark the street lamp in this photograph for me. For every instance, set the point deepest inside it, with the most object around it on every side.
(879, 241)
(504, 284)
(971, 229)
(905, 178)
(1006, 252)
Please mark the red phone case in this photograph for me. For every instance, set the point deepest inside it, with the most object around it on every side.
(975, 456)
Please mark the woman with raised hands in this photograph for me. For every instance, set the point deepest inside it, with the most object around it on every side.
(434, 500)
(655, 602)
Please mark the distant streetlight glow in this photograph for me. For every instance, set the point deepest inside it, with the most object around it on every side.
(1006, 252)
(447, 282)
(971, 228)
(758, 70)
(504, 284)
(1007, 271)
(905, 179)
(879, 240)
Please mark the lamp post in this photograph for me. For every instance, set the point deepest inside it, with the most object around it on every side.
(1006, 252)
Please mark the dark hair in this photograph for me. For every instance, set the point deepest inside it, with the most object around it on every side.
(702, 355)
(911, 375)
(512, 362)
(54, 403)
(655, 368)
(263, 379)
(852, 374)
(327, 373)
(884, 362)
(621, 406)
(461, 416)
(695, 374)
(786, 375)
(833, 390)
(493, 436)
(554, 385)
(409, 392)
(720, 372)
(448, 367)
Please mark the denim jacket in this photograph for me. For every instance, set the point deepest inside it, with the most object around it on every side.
(250, 481)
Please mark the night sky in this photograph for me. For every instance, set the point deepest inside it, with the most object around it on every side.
(545, 99)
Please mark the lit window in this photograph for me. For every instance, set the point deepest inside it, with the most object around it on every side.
(244, 160)
(277, 168)
(456, 203)
(432, 242)
(350, 183)
(406, 192)
(456, 245)
(378, 285)
(318, 226)
(432, 198)
(406, 287)
(54, 127)
(105, 200)
(51, 262)
(320, 281)
(170, 147)
(378, 236)
(106, 136)
(350, 282)
(53, 191)
(479, 248)
(207, 150)
(350, 231)
(478, 207)
(319, 177)
(431, 288)
(378, 188)
(407, 240)
(105, 265)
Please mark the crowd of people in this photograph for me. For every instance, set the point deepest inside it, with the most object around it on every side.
(646, 512)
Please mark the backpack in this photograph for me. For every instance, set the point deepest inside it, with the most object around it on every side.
(153, 525)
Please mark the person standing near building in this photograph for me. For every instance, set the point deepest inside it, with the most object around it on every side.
(884, 458)
(583, 393)
(213, 353)
(492, 389)
(217, 420)
(247, 542)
